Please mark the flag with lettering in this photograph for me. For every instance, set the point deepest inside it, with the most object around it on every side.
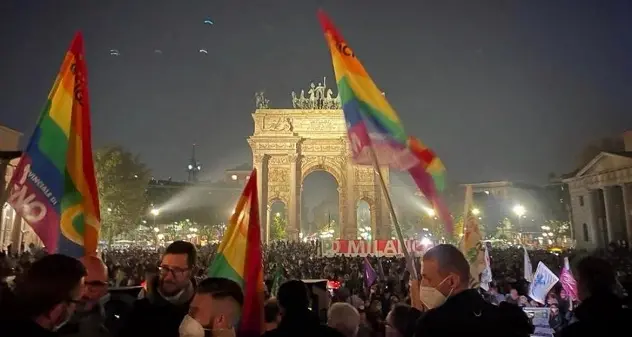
(375, 131)
(543, 280)
(568, 281)
(54, 186)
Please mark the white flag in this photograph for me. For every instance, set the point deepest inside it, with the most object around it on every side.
(527, 266)
(543, 281)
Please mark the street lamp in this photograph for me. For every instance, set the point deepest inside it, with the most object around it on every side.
(154, 212)
(519, 210)
(476, 211)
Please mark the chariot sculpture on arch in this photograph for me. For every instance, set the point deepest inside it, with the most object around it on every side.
(319, 98)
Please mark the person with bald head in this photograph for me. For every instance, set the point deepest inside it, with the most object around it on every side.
(96, 315)
(455, 309)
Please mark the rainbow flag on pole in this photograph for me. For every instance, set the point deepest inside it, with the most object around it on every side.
(373, 125)
(54, 188)
(239, 258)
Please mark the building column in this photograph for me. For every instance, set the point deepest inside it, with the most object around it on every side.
(627, 199)
(16, 234)
(259, 162)
(594, 226)
(607, 200)
(268, 215)
(293, 227)
(385, 222)
(350, 231)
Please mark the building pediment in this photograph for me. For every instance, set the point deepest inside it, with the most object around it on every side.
(605, 162)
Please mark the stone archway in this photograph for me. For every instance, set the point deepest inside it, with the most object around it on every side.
(289, 144)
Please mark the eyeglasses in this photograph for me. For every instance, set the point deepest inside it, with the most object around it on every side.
(175, 271)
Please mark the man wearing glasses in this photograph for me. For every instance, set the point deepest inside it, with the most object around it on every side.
(46, 297)
(162, 308)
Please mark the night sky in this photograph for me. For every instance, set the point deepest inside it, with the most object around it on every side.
(500, 89)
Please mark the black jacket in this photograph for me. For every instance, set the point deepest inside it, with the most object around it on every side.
(302, 323)
(468, 314)
(23, 328)
(600, 315)
(154, 316)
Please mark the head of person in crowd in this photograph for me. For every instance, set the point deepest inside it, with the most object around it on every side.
(293, 297)
(271, 314)
(176, 268)
(554, 308)
(344, 318)
(513, 293)
(563, 294)
(595, 276)
(50, 290)
(216, 307)
(400, 321)
(446, 273)
(96, 282)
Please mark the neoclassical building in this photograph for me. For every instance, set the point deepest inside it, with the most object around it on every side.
(601, 198)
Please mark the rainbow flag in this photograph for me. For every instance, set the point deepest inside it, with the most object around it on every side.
(375, 131)
(54, 188)
(239, 258)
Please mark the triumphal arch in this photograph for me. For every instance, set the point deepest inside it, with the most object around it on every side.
(289, 144)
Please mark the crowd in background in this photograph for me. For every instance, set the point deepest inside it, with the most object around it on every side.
(133, 267)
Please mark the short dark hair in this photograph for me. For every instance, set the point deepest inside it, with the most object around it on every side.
(293, 295)
(450, 259)
(48, 282)
(596, 275)
(219, 288)
(403, 318)
(183, 247)
(270, 310)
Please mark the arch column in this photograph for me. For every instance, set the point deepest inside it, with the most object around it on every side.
(350, 230)
(260, 163)
(293, 224)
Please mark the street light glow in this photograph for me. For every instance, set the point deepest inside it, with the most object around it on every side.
(476, 211)
(155, 211)
(429, 211)
(519, 210)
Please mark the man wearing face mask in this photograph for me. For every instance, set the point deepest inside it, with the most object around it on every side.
(46, 297)
(161, 310)
(453, 309)
(215, 308)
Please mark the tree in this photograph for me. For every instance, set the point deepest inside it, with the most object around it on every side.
(277, 230)
(122, 180)
(557, 229)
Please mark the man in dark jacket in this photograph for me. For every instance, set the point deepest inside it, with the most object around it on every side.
(45, 297)
(296, 317)
(456, 310)
(601, 312)
(161, 310)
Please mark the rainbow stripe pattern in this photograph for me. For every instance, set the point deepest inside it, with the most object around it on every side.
(54, 187)
(374, 128)
(239, 258)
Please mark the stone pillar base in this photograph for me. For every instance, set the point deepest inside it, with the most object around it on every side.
(292, 234)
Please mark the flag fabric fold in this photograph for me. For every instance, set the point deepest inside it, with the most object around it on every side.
(527, 266)
(486, 275)
(54, 186)
(239, 258)
(543, 280)
(374, 128)
(369, 273)
(568, 281)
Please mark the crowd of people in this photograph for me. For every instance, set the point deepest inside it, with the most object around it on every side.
(134, 292)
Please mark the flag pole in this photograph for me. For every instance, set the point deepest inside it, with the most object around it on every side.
(389, 203)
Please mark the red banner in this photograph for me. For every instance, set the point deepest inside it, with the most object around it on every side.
(375, 247)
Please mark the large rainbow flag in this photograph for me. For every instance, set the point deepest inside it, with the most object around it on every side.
(54, 188)
(239, 258)
(375, 131)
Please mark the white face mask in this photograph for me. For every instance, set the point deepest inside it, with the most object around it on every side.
(431, 297)
(191, 328)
